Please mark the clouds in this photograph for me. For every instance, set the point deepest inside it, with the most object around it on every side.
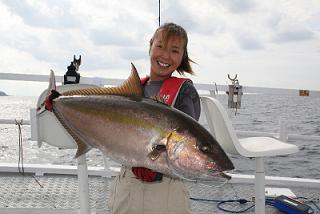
(225, 36)
(110, 37)
(47, 14)
(249, 42)
(239, 6)
(292, 33)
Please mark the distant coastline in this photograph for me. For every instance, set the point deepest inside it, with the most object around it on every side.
(3, 94)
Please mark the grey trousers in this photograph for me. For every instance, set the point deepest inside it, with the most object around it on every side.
(131, 195)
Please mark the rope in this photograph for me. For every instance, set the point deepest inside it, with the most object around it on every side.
(20, 160)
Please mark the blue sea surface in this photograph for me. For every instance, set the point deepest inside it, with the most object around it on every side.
(258, 112)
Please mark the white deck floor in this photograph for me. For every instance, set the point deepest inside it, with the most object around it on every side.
(59, 194)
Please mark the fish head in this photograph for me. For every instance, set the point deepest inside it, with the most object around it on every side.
(197, 159)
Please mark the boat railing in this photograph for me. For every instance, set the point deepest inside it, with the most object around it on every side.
(95, 81)
(211, 88)
(282, 134)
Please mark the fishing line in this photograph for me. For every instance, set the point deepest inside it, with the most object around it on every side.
(222, 202)
(20, 160)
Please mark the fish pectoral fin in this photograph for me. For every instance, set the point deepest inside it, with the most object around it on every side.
(164, 141)
(156, 151)
(159, 147)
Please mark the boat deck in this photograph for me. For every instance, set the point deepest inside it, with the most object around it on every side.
(59, 194)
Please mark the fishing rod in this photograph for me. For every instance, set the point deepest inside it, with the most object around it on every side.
(159, 13)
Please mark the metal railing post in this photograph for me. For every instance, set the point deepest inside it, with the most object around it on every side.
(83, 185)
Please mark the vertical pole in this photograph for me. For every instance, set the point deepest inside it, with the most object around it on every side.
(259, 187)
(159, 14)
(83, 185)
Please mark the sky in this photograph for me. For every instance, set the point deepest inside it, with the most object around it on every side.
(274, 43)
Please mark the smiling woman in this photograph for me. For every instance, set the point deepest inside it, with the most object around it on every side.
(168, 52)
(154, 191)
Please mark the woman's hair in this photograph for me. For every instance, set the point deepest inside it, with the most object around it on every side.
(168, 30)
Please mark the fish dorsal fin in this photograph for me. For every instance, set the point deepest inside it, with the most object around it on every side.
(130, 87)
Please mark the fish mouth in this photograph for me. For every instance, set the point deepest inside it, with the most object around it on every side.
(225, 175)
(219, 173)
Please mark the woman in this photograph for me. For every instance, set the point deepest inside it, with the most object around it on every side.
(140, 190)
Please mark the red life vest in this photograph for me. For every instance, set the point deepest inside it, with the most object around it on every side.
(169, 89)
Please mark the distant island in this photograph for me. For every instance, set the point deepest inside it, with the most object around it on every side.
(3, 94)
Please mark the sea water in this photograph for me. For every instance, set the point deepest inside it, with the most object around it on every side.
(258, 112)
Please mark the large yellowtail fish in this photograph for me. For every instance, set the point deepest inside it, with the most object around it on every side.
(138, 131)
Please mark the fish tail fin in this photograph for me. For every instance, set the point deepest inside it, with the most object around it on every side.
(52, 82)
(130, 87)
(51, 93)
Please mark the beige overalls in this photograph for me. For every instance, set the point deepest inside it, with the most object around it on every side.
(130, 195)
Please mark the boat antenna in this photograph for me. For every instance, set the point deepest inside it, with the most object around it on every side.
(159, 13)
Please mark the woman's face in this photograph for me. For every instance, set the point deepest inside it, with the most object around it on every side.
(165, 58)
